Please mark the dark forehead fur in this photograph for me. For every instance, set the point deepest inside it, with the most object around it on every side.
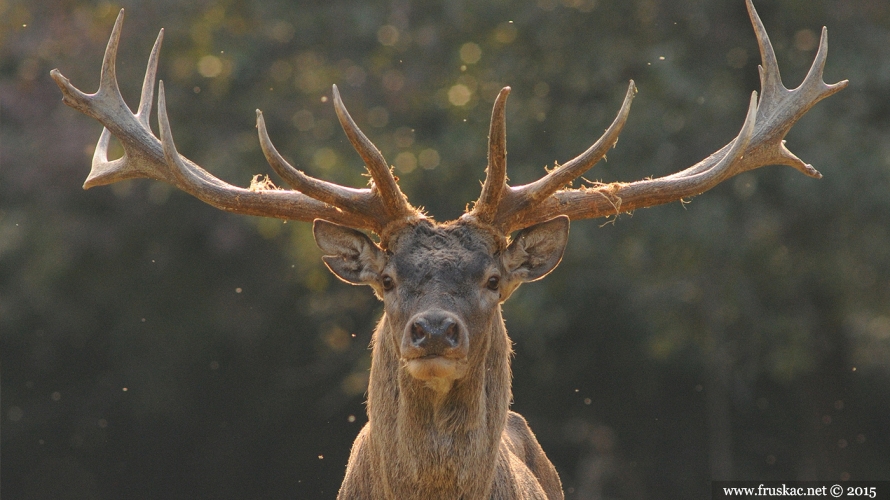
(461, 245)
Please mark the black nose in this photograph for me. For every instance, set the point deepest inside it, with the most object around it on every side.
(435, 332)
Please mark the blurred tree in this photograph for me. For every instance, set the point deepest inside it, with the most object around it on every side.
(152, 347)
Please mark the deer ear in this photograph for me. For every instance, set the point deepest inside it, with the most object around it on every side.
(350, 254)
(536, 250)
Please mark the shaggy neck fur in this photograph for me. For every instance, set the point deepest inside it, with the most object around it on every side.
(442, 444)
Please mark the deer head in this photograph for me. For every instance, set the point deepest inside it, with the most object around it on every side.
(442, 284)
(440, 380)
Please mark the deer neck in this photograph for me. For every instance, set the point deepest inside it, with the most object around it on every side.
(428, 440)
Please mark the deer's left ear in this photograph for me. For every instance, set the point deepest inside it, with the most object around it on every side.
(351, 255)
(536, 250)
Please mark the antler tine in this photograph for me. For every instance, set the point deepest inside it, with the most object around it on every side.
(178, 168)
(495, 184)
(761, 142)
(108, 73)
(350, 199)
(816, 72)
(564, 174)
(776, 99)
(196, 181)
(394, 202)
(148, 83)
(771, 86)
(512, 203)
(107, 76)
(186, 176)
(101, 166)
(108, 103)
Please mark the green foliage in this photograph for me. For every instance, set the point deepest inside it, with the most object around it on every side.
(154, 348)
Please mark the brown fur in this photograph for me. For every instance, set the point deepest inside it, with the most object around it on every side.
(457, 439)
(463, 445)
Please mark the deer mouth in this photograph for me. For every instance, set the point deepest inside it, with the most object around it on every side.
(436, 369)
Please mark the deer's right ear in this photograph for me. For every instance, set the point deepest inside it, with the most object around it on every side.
(350, 254)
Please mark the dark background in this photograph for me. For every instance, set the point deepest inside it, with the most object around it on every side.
(154, 347)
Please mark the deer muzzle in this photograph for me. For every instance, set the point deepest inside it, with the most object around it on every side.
(434, 346)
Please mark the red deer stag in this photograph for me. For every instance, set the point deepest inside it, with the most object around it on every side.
(439, 424)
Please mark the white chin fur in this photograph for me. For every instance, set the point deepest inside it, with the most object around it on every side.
(438, 372)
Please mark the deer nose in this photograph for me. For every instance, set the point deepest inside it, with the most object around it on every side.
(425, 330)
(435, 333)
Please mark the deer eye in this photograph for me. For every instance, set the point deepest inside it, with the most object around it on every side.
(493, 283)
(387, 282)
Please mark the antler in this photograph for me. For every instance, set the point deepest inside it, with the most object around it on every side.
(760, 142)
(147, 156)
(382, 206)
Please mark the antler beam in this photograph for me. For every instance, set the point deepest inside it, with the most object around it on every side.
(147, 156)
(759, 143)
